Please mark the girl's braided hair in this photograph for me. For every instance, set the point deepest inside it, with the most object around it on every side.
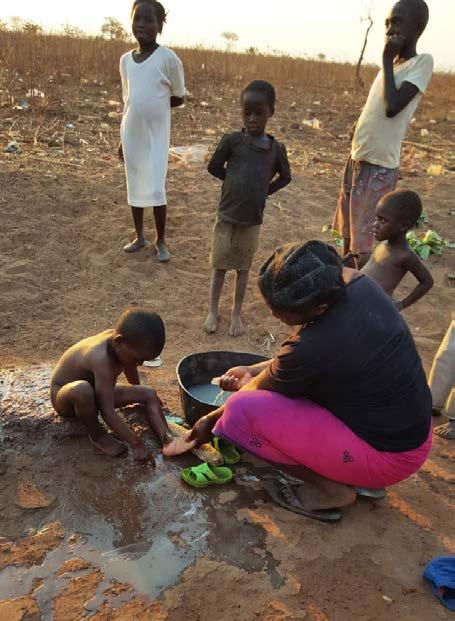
(299, 277)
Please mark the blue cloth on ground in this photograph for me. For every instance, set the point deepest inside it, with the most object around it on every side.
(441, 573)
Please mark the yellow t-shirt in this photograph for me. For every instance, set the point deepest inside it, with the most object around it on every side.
(377, 139)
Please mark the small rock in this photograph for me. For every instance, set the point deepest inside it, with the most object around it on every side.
(387, 599)
(12, 147)
(225, 497)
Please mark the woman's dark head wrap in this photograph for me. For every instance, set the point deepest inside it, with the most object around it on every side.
(300, 277)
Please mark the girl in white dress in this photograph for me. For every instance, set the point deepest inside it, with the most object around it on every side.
(152, 84)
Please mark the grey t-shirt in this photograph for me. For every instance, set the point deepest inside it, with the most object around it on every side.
(247, 167)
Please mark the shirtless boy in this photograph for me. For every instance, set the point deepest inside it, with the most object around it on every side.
(84, 383)
(396, 214)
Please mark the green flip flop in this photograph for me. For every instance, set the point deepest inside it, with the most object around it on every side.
(205, 475)
(229, 452)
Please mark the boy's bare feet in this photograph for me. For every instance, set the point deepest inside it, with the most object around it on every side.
(143, 454)
(135, 245)
(178, 446)
(236, 326)
(211, 322)
(108, 444)
(162, 252)
(446, 431)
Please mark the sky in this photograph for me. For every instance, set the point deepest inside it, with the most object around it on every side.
(330, 27)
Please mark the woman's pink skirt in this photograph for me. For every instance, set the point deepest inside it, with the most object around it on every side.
(298, 432)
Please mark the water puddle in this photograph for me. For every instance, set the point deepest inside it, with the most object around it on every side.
(139, 526)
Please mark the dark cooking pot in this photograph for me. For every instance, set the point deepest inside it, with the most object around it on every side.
(201, 368)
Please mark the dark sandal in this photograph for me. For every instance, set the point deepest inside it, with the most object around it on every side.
(367, 492)
(275, 490)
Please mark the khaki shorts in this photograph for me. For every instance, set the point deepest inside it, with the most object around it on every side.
(233, 246)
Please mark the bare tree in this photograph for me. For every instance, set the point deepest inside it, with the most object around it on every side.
(73, 32)
(31, 28)
(358, 79)
(231, 39)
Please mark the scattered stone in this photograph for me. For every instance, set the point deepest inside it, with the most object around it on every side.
(225, 497)
(31, 497)
(74, 539)
(387, 599)
(115, 116)
(12, 147)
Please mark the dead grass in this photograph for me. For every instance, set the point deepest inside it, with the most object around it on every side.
(46, 61)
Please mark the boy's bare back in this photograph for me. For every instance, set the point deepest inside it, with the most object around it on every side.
(83, 360)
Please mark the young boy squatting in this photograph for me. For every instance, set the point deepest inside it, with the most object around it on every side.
(84, 383)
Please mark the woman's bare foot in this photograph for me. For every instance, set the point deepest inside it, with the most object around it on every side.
(108, 444)
(316, 498)
(162, 252)
(177, 446)
(135, 245)
(211, 323)
(446, 431)
(236, 326)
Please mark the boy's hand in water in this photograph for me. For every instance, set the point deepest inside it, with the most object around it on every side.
(235, 378)
(120, 152)
(142, 454)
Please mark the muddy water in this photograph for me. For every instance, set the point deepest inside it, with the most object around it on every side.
(139, 525)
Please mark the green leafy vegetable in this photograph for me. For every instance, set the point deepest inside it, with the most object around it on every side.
(334, 235)
(429, 243)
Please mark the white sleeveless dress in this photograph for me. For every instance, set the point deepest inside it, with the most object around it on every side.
(146, 124)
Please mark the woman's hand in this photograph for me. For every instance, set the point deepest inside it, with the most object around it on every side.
(202, 430)
(236, 378)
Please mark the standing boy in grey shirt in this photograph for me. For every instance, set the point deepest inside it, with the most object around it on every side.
(247, 162)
